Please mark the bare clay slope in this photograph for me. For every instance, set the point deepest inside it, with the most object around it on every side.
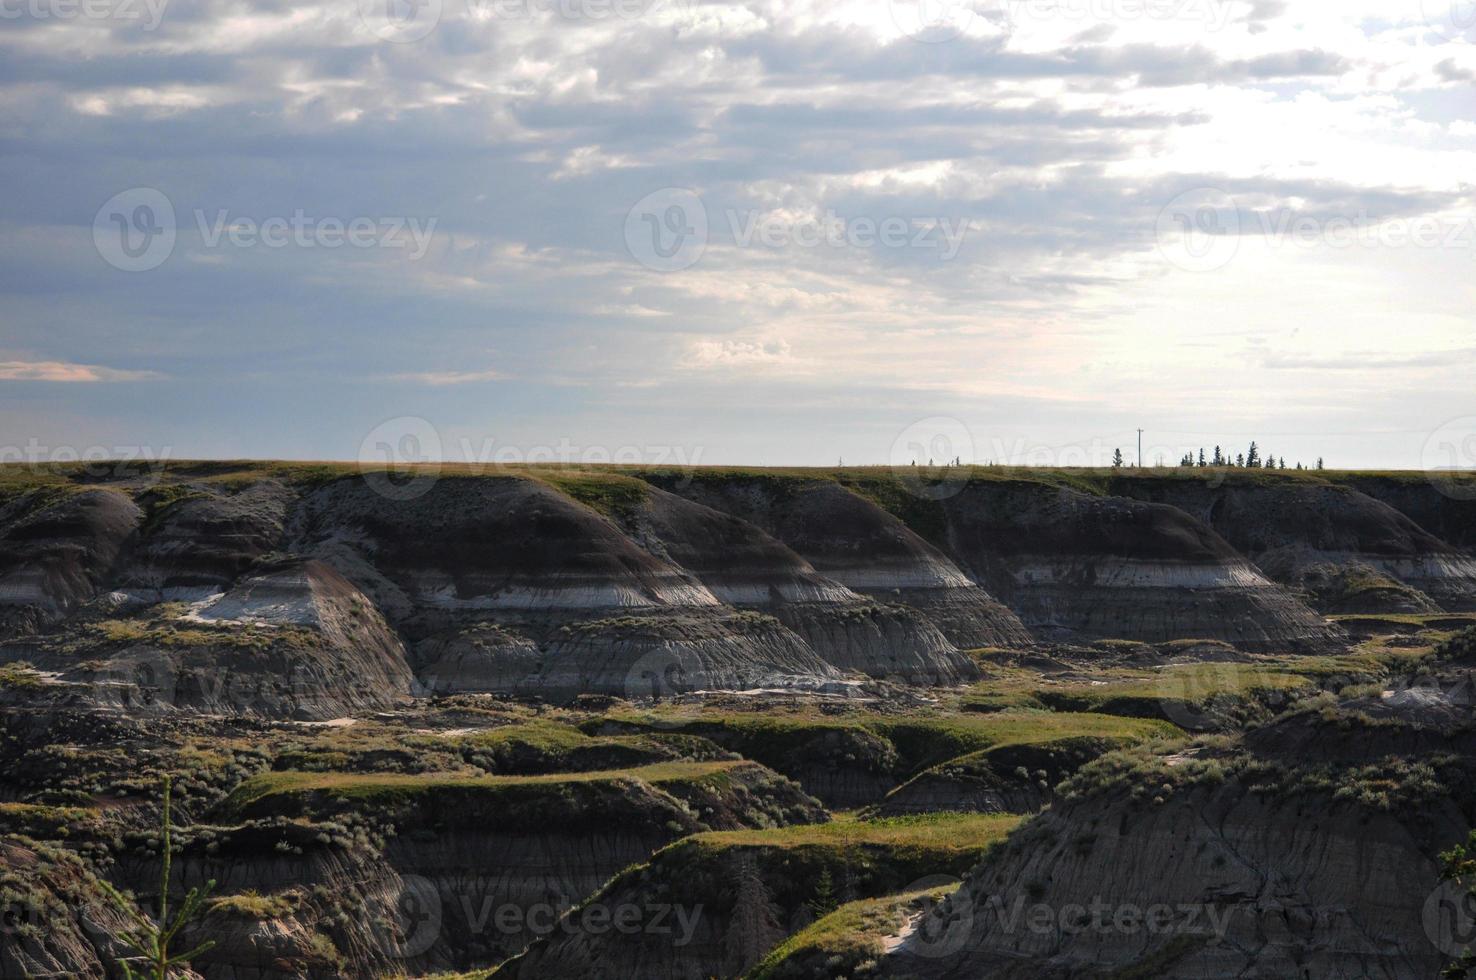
(57, 547)
(929, 607)
(506, 584)
(1443, 503)
(1077, 566)
(1351, 552)
(748, 567)
(199, 538)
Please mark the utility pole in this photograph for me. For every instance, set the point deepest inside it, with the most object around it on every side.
(1140, 449)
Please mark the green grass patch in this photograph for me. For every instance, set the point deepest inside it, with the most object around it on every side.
(252, 905)
(896, 746)
(848, 941)
(391, 787)
(611, 494)
(947, 833)
(19, 676)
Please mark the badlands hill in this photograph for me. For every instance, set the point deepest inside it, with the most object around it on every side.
(554, 721)
(313, 590)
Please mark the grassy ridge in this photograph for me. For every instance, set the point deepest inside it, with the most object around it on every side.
(844, 942)
(941, 833)
(919, 742)
(402, 787)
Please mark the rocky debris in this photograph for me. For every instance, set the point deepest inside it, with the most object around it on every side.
(1079, 567)
(57, 547)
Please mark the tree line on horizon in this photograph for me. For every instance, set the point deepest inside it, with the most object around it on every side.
(1251, 459)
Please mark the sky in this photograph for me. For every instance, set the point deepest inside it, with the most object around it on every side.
(771, 232)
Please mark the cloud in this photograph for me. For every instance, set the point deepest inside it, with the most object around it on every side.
(1057, 141)
(441, 378)
(1371, 360)
(739, 353)
(63, 371)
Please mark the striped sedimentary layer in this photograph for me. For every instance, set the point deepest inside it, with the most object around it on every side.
(1346, 550)
(856, 543)
(1077, 566)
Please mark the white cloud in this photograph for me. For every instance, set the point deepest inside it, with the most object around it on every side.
(1055, 136)
(63, 371)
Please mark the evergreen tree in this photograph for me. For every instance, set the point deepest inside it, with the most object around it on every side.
(1319, 462)
(1253, 457)
(754, 928)
(1117, 459)
(1219, 457)
(823, 902)
(1240, 459)
(150, 938)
